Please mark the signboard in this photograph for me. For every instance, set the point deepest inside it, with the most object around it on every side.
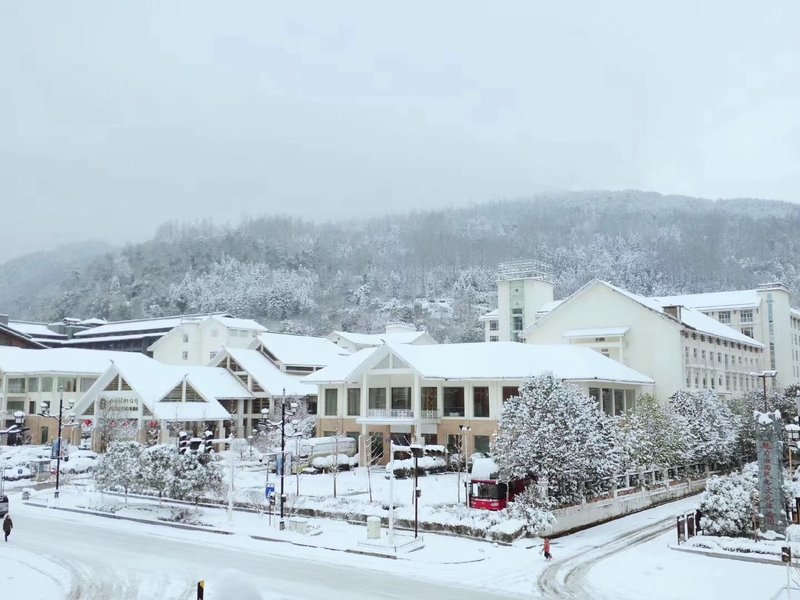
(770, 472)
(119, 406)
(58, 447)
(270, 490)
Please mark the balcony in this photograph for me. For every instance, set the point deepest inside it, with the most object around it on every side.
(397, 415)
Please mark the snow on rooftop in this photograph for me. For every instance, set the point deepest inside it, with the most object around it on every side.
(377, 339)
(268, 376)
(691, 317)
(301, 350)
(35, 330)
(492, 314)
(138, 325)
(548, 306)
(342, 368)
(714, 300)
(598, 332)
(61, 360)
(491, 361)
(235, 323)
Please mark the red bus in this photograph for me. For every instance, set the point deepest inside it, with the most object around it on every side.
(487, 491)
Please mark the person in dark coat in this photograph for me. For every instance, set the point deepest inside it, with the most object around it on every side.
(8, 524)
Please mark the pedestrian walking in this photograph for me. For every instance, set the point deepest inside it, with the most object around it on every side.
(547, 554)
(8, 524)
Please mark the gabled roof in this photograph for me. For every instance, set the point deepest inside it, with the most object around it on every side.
(300, 350)
(346, 367)
(267, 375)
(223, 320)
(235, 323)
(691, 318)
(492, 314)
(377, 339)
(486, 361)
(714, 300)
(23, 337)
(152, 381)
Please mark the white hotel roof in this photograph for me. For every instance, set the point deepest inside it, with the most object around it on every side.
(268, 376)
(488, 361)
(714, 300)
(301, 350)
(62, 360)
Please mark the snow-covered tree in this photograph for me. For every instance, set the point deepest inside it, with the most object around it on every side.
(119, 468)
(157, 470)
(195, 476)
(708, 424)
(649, 438)
(557, 434)
(728, 502)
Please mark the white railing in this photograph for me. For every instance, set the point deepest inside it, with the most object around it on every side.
(390, 413)
(429, 414)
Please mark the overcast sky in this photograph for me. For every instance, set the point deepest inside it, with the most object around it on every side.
(116, 118)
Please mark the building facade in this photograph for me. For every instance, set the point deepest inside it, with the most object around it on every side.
(430, 393)
(677, 346)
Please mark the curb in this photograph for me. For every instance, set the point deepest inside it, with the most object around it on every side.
(134, 519)
(743, 558)
(223, 532)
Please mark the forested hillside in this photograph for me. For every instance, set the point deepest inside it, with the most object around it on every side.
(435, 269)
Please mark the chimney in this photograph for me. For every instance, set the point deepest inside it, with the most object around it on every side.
(3, 319)
(674, 311)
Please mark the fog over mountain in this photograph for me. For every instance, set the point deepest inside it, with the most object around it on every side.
(433, 268)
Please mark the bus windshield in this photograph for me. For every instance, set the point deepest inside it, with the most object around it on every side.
(489, 490)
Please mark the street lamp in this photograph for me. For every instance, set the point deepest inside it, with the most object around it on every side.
(45, 412)
(464, 430)
(265, 412)
(763, 375)
(416, 451)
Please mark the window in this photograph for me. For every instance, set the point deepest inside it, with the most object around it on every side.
(703, 354)
(481, 443)
(694, 352)
(377, 398)
(510, 391)
(480, 401)
(619, 402)
(494, 338)
(401, 398)
(454, 443)
(16, 385)
(376, 445)
(212, 354)
(192, 395)
(746, 316)
(719, 357)
(185, 338)
(630, 399)
(185, 355)
(494, 325)
(748, 331)
(608, 406)
(430, 439)
(87, 382)
(430, 399)
(331, 398)
(454, 402)
(686, 354)
(47, 384)
(33, 384)
(724, 316)
(594, 394)
(353, 402)
(311, 404)
(68, 384)
(516, 321)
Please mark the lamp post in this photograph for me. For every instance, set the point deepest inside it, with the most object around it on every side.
(763, 375)
(282, 524)
(465, 429)
(416, 451)
(45, 412)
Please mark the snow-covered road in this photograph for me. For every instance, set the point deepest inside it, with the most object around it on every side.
(106, 558)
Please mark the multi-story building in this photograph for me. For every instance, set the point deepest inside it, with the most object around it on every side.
(195, 340)
(524, 289)
(679, 347)
(402, 392)
(396, 333)
(764, 314)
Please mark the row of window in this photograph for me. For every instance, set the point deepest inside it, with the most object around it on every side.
(728, 360)
(454, 442)
(23, 385)
(724, 316)
(612, 401)
(704, 380)
(722, 342)
(453, 400)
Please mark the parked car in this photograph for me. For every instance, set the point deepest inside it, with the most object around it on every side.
(3, 506)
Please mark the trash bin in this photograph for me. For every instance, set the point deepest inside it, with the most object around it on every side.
(298, 524)
(373, 528)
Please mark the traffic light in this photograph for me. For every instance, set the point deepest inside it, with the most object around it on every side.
(209, 441)
(183, 442)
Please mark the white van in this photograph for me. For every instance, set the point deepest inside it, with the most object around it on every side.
(325, 446)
